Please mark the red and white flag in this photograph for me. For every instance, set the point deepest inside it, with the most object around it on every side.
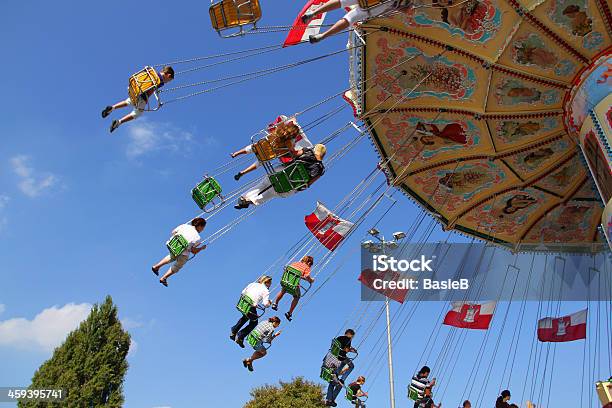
(467, 315)
(299, 31)
(373, 280)
(327, 227)
(566, 328)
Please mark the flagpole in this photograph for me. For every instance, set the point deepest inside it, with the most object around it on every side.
(389, 349)
(390, 354)
(398, 236)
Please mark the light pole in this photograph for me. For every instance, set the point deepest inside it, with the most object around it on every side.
(374, 247)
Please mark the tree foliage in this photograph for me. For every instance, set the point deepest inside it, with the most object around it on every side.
(298, 393)
(90, 364)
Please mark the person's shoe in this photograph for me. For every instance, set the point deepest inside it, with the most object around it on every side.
(333, 404)
(114, 125)
(307, 17)
(242, 203)
(240, 342)
(155, 270)
(314, 38)
(107, 111)
(238, 175)
(274, 306)
(250, 365)
(289, 316)
(163, 282)
(245, 363)
(232, 337)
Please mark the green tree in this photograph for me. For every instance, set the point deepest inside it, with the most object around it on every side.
(90, 364)
(298, 393)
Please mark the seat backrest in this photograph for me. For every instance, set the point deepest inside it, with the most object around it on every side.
(205, 191)
(177, 245)
(335, 347)
(142, 82)
(244, 304)
(234, 13)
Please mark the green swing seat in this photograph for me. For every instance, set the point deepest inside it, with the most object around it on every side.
(327, 374)
(244, 304)
(177, 245)
(290, 280)
(253, 338)
(413, 393)
(205, 192)
(335, 348)
(293, 177)
(350, 395)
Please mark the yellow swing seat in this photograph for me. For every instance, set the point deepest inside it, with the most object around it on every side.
(234, 14)
(141, 84)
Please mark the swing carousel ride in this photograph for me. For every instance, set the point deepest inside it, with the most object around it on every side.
(486, 107)
(493, 115)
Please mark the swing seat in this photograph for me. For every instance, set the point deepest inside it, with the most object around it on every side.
(293, 177)
(205, 192)
(177, 245)
(413, 393)
(266, 149)
(327, 374)
(335, 348)
(244, 304)
(271, 146)
(604, 391)
(234, 14)
(290, 280)
(350, 395)
(253, 338)
(140, 84)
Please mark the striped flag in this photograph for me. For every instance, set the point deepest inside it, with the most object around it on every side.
(327, 227)
(299, 31)
(470, 315)
(566, 328)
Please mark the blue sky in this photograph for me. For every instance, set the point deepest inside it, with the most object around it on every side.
(84, 213)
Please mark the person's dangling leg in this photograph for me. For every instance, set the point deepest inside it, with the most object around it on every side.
(245, 171)
(235, 328)
(344, 375)
(294, 303)
(338, 26)
(253, 320)
(164, 261)
(278, 299)
(138, 109)
(324, 8)
(180, 261)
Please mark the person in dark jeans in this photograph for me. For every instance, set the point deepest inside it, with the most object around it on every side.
(259, 293)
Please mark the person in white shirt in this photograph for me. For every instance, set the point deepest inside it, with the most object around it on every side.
(191, 232)
(259, 293)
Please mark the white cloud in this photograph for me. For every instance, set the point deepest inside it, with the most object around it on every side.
(133, 347)
(46, 331)
(2, 308)
(31, 182)
(129, 323)
(4, 199)
(147, 137)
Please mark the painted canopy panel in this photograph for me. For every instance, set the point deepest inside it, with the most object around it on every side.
(466, 105)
